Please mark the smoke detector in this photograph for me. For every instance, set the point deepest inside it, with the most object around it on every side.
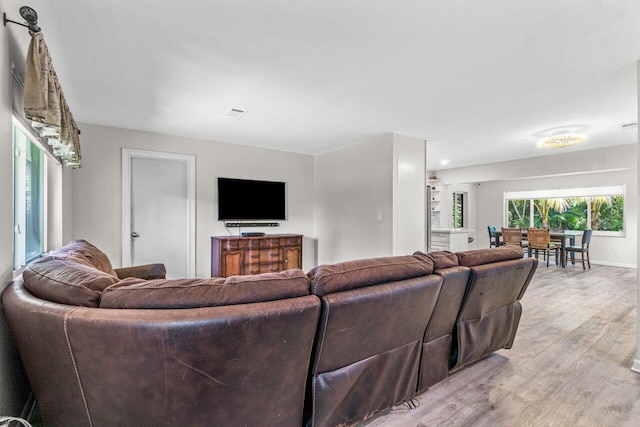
(234, 113)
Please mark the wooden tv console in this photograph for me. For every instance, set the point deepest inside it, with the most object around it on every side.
(234, 255)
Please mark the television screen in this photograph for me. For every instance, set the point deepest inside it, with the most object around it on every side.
(243, 199)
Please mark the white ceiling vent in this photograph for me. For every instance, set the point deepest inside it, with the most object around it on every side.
(234, 113)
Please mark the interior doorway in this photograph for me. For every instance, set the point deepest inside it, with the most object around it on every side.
(158, 210)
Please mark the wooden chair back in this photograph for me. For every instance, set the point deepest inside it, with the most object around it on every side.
(512, 236)
(538, 237)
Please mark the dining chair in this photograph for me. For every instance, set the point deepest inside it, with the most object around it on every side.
(582, 249)
(513, 237)
(492, 236)
(556, 230)
(540, 240)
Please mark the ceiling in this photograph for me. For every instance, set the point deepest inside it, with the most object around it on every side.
(480, 80)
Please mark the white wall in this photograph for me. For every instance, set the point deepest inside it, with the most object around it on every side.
(409, 182)
(353, 185)
(613, 166)
(97, 187)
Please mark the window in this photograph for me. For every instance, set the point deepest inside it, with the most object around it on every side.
(518, 213)
(458, 210)
(28, 198)
(598, 208)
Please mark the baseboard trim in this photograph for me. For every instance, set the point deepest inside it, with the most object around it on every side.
(611, 264)
(636, 366)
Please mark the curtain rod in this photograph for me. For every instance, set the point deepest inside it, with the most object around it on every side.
(29, 15)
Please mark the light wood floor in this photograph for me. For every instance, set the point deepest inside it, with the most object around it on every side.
(569, 365)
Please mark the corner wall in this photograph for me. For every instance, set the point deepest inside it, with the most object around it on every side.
(409, 191)
(352, 186)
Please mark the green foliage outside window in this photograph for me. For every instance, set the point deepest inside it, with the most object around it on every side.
(518, 214)
(607, 213)
(457, 210)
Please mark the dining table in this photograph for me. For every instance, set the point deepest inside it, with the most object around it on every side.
(557, 235)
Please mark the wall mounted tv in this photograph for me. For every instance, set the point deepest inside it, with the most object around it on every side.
(243, 199)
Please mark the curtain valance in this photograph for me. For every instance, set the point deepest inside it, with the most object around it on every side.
(45, 105)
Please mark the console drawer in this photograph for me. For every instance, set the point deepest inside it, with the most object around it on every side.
(249, 244)
(291, 241)
(270, 243)
(252, 256)
(270, 255)
(230, 245)
(270, 268)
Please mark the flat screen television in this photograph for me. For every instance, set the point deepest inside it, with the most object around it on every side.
(243, 199)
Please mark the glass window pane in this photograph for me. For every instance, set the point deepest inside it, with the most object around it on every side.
(548, 212)
(28, 194)
(607, 213)
(518, 213)
(458, 210)
(34, 205)
(574, 216)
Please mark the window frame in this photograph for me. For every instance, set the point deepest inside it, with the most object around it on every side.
(18, 126)
(458, 222)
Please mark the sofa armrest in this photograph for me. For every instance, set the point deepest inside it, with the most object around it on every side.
(147, 271)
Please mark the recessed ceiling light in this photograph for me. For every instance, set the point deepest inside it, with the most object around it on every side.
(234, 113)
(562, 140)
(444, 162)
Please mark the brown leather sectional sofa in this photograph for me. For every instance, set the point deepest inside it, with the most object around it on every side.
(126, 347)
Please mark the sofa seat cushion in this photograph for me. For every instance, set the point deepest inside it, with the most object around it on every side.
(193, 293)
(66, 281)
(488, 256)
(348, 275)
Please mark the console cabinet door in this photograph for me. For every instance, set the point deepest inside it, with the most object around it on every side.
(292, 258)
(232, 263)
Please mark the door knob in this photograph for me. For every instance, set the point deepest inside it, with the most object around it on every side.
(134, 234)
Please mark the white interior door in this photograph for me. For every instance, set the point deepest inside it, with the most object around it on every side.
(158, 211)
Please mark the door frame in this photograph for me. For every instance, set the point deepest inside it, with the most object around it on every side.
(190, 160)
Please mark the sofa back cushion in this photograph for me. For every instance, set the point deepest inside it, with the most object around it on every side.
(192, 293)
(439, 259)
(488, 256)
(85, 253)
(66, 281)
(326, 279)
(496, 285)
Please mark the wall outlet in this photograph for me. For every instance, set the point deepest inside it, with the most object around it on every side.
(617, 254)
(379, 216)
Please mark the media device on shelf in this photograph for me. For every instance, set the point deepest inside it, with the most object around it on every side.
(249, 200)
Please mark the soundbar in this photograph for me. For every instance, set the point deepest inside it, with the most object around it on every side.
(252, 234)
(251, 224)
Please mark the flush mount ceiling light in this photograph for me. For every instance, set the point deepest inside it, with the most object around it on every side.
(562, 140)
